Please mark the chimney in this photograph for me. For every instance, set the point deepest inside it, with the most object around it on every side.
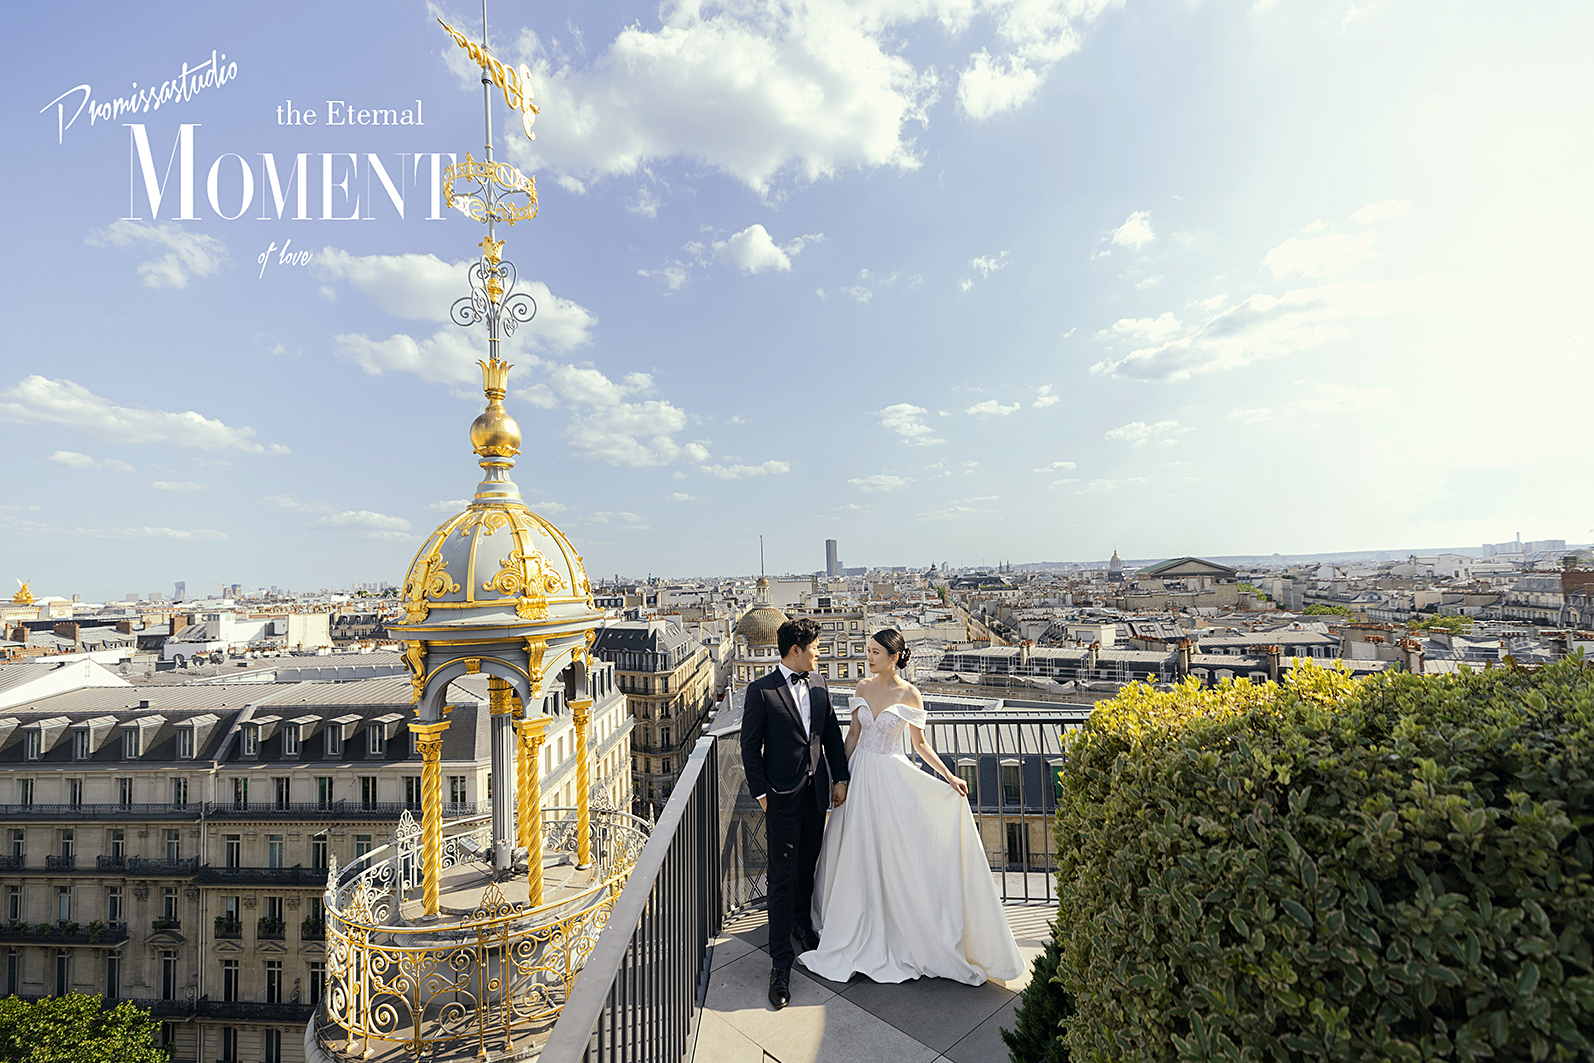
(1275, 670)
(1413, 655)
(1023, 652)
(1091, 656)
(66, 630)
(1183, 650)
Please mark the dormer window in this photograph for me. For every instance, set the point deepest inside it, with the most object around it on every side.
(130, 744)
(376, 740)
(251, 741)
(290, 740)
(80, 745)
(185, 743)
(31, 745)
(334, 741)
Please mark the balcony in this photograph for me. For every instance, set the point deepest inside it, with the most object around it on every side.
(313, 930)
(101, 935)
(268, 929)
(63, 862)
(159, 925)
(115, 811)
(137, 865)
(262, 876)
(253, 1011)
(104, 865)
(376, 810)
(232, 929)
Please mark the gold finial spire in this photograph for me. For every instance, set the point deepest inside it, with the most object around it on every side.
(24, 596)
(494, 433)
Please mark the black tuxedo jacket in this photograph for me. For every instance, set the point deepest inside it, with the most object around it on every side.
(775, 751)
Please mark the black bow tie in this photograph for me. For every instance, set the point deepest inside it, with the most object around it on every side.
(799, 677)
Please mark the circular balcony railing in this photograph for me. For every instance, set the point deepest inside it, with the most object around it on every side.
(489, 974)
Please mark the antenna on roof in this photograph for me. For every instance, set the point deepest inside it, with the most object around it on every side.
(761, 555)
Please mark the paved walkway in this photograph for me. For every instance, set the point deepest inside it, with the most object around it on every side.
(926, 1021)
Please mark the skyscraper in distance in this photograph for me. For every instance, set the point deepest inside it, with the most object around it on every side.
(832, 563)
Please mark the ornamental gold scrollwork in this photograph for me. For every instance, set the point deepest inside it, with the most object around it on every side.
(430, 580)
(475, 203)
(535, 649)
(415, 661)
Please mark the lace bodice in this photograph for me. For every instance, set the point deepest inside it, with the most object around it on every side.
(883, 734)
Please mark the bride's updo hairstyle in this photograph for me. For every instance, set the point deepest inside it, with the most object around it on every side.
(892, 642)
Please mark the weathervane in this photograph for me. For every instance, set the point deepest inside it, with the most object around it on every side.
(491, 191)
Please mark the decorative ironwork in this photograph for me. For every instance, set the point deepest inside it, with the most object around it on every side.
(493, 299)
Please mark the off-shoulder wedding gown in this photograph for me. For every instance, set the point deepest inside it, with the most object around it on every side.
(903, 889)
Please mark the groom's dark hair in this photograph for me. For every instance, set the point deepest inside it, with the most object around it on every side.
(795, 633)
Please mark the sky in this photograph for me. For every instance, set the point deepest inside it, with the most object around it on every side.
(944, 280)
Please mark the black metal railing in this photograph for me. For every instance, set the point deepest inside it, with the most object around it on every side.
(312, 929)
(138, 865)
(165, 924)
(254, 1011)
(13, 863)
(229, 928)
(647, 974)
(268, 929)
(263, 876)
(223, 809)
(105, 935)
(105, 811)
(63, 862)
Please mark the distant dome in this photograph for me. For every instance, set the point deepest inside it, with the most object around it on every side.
(495, 563)
(759, 625)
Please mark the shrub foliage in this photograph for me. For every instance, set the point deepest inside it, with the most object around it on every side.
(1041, 1009)
(1397, 868)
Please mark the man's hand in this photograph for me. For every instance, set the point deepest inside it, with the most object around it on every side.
(763, 803)
(838, 795)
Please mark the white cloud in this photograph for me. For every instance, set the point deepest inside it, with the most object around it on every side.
(859, 293)
(1057, 466)
(737, 472)
(985, 265)
(418, 287)
(289, 502)
(987, 87)
(73, 460)
(907, 421)
(991, 406)
(621, 518)
(646, 203)
(1135, 232)
(365, 524)
(638, 434)
(1389, 208)
(1320, 256)
(1149, 282)
(1257, 415)
(176, 485)
(1262, 326)
(547, 507)
(38, 400)
(680, 496)
(755, 251)
(1139, 433)
(1111, 485)
(190, 254)
(881, 482)
(455, 506)
(188, 535)
(1044, 397)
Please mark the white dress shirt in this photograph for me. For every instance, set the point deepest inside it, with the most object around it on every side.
(799, 693)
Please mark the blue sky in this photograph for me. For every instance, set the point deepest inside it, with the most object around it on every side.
(955, 281)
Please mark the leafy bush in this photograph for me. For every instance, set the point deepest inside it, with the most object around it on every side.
(1398, 868)
(1041, 1010)
(75, 1029)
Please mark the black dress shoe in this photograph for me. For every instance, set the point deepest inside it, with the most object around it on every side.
(780, 987)
(805, 936)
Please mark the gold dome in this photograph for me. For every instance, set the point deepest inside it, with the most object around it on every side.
(760, 624)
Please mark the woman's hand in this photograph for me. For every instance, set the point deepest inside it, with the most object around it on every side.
(959, 785)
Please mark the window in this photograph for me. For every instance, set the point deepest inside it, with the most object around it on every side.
(13, 973)
(1010, 784)
(318, 852)
(362, 845)
(80, 745)
(412, 791)
(185, 743)
(376, 740)
(290, 740)
(274, 909)
(60, 972)
(273, 981)
(1015, 847)
(273, 1046)
(274, 848)
(229, 983)
(251, 741)
(168, 1033)
(173, 844)
(318, 982)
(13, 903)
(240, 793)
(113, 979)
(229, 1034)
(124, 792)
(24, 791)
(74, 792)
(281, 789)
(334, 740)
(969, 772)
(118, 843)
(323, 790)
(456, 789)
(180, 792)
(30, 745)
(368, 791)
(113, 904)
(130, 743)
(415, 744)
(169, 975)
(664, 736)
(235, 850)
(63, 904)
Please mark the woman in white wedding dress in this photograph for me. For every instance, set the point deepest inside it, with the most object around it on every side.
(903, 889)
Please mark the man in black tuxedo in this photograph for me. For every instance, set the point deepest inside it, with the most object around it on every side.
(796, 765)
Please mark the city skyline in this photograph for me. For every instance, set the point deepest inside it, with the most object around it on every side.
(1153, 278)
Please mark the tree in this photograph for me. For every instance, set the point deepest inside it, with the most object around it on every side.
(77, 1028)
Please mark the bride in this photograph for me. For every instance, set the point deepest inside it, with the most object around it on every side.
(903, 889)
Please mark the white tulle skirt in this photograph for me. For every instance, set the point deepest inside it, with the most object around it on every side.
(903, 889)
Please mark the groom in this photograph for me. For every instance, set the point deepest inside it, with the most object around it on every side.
(796, 765)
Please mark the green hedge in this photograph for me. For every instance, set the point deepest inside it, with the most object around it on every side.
(1397, 868)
